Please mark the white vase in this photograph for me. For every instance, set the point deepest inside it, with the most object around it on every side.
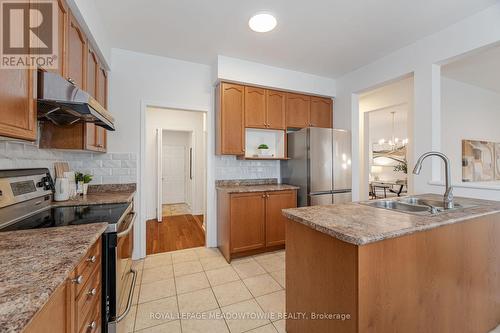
(85, 188)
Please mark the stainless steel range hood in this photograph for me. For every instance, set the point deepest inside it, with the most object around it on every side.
(61, 102)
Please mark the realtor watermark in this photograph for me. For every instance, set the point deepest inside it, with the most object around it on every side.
(29, 34)
(273, 316)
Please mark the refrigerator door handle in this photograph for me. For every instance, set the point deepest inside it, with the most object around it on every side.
(341, 191)
(320, 193)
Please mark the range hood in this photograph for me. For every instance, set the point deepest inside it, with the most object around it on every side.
(61, 102)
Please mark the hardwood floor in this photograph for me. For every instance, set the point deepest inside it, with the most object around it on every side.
(174, 233)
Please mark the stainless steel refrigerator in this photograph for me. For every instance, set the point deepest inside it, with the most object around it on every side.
(320, 164)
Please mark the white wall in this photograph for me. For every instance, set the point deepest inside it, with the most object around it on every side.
(178, 121)
(421, 58)
(138, 80)
(469, 112)
(259, 74)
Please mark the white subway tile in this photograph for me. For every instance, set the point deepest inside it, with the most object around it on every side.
(101, 156)
(110, 179)
(120, 172)
(101, 172)
(129, 164)
(121, 156)
(111, 164)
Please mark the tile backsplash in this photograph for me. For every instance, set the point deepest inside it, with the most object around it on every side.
(109, 168)
(229, 167)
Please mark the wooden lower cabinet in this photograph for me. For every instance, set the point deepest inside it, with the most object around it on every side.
(252, 222)
(75, 307)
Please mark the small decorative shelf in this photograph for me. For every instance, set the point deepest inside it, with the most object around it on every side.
(274, 139)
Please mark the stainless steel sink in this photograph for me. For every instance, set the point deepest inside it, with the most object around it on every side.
(414, 205)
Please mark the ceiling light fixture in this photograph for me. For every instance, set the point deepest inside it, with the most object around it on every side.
(262, 22)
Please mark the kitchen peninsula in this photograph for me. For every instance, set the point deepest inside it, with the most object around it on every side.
(378, 270)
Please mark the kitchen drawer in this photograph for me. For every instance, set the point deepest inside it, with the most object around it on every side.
(89, 298)
(87, 266)
(92, 323)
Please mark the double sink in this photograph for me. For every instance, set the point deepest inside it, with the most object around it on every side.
(414, 205)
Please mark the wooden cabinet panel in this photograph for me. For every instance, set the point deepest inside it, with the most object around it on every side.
(275, 221)
(17, 104)
(255, 107)
(321, 112)
(77, 53)
(92, 67)
(102, 98)
(297, 110)
(55, 316)
(247, 221)
(276, 101)
(230, 116)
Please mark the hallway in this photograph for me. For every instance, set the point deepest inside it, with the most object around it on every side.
(176, 232)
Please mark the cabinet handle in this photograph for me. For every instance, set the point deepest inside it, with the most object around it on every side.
(92, 259)
(78, 279)
(92, 292)
(263, 195)
(92, 325)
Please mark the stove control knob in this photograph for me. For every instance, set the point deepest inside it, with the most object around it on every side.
(47, 187)
(40, 184)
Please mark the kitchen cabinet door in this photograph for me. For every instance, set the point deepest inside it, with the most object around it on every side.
(230, 120)
(247, 221)
(17, 104)
(276, 101)
(275, 221)
(102, 98)
(77, 53)
(92, 68)
(255, 107)
(297, 110)
(321, 112)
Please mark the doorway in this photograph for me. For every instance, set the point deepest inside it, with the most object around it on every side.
(176, 209)
(386, 141)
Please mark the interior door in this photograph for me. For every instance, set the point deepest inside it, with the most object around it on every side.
(159, 168)
(174, 174)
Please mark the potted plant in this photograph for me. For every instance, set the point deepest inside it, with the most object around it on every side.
(263, 149)
(82, 182)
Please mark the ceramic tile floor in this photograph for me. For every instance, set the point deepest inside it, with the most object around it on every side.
(201, 286)
(176, 209)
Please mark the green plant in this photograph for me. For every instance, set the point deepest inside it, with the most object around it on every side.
(78, 177)
(401, 167)
(85, 178)
(263, 146)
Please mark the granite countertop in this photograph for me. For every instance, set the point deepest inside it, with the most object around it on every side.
(256, 188)
(360, 224)
(97, 198)
(34, 264)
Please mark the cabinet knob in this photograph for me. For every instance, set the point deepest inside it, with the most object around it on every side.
(92, 259)
(92, 292)
(263, 195)
(78, 279)
(70, 80)
(92, 325)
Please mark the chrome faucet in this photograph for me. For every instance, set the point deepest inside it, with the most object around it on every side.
(448, 195)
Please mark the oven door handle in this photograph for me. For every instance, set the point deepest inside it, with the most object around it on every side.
(129, 228)
(130, 295)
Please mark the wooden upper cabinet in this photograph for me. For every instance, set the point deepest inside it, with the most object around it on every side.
(102, 98)
(77, 53)
(321, 112)
(17, 104)
(247, 221)
(275, 221)
(62, 42)
(255, 107)
(230, 119)
(276, 106)
(297, 110)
